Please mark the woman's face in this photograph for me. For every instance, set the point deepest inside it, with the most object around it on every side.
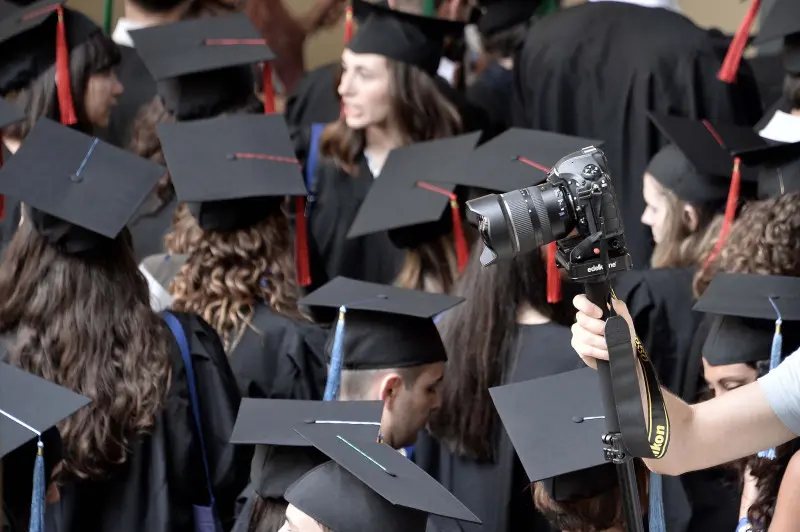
(364, 89)
(723, 379)
(102, 91)
(297, 521)
(656, 207)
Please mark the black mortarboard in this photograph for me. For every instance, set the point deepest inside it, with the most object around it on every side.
(369, 486)
(404, 37)
(778, 168)
(745, 308)
(556, 425)
(516, 159)
(78, 190)
(499, 15)
(34, 401)
(282, 456)
(783, 22)
(9, 113)
(409, 201)
(698, 165)
(34, 38)
(203, 66)
(386, 326)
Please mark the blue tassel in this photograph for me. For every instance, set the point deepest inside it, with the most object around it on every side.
(776, 353)
(38, 501)
(337, 359)
(655, 511)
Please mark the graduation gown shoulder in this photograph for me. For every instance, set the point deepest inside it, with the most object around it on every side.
(498, 491)
(601, 85)
(164, 475)
(280, 358)
(148, 227)
(339, 196)
(314, 100)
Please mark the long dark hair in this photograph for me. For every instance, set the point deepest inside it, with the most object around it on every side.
(480, 337)
(96, 55)
(84, 322)
(418, 108)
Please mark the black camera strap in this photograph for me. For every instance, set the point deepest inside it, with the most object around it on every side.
(652, 440)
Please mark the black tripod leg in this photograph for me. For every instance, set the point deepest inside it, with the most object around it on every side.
(598, 294)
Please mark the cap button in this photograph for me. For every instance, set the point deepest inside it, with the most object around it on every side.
(75, 178)
(231, 156)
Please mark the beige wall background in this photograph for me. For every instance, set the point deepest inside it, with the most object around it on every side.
(326, 46)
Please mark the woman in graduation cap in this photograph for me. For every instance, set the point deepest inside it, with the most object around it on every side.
(56, 64)
(78, 312)
(243, 272)
(389, 100)
(203, 68)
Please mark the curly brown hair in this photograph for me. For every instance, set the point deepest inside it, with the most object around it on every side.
(228, 273)
(418, 108)
(764, 240)
(84, 322)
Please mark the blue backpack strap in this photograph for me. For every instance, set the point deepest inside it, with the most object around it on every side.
(311, 160)
(180, 336)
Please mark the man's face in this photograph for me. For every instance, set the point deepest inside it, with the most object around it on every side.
(407, 410)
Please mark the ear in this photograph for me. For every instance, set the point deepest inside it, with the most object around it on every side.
(389, 388)
(691, 218)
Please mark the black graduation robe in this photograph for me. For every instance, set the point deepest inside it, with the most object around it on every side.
(491, 91)
(372, 257)
(164, 476)
(140, 89)
(280, 358)
(595, 69)
(497, 492)
(148, 227)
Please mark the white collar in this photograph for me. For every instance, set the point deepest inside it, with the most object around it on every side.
(782, 127)
(124, 25)
(672, 5)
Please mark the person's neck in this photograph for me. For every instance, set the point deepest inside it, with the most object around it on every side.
(379, 141)
(12, 145)
(796, 112)
(137, 15)
(506, 62)
(527, 315)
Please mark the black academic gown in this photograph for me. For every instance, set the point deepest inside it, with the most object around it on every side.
(280, 358)
(498, 492)
(491, 91)
(149, 226)
(164, 476)
(372, 257)
(594, 70)
(140, 89)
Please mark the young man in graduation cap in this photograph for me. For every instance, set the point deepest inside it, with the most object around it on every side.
(366, 486)
(385, 346)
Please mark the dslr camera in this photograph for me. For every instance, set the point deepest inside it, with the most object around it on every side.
(575, 207)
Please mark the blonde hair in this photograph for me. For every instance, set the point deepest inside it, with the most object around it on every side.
(436, 261)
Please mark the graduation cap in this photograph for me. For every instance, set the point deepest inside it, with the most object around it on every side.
(404, 37)
(516, 159)
(282, 456)
(234, 171)
(9, 114)
(698, 165)
(783, 22)
(377, 487)
(29, 406)
(409, 201)
(380, 326)
(77, 190)
(35, 37)
(499, 15)
(746, 307)
(204, 66)
(779, 168)
(556, 425)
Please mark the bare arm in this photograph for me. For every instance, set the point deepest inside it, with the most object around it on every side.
(738, 424)
(787, 509)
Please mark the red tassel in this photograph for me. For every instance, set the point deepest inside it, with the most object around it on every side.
(730, 212)
(733, 58)
(63, 84)
(301, 243)
(553, 275)
(269, 90)
(462, 253)
(348, 24)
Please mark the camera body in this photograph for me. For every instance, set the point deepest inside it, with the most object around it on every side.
(576, 207)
